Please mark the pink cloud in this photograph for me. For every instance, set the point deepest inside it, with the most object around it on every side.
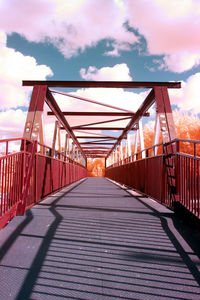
(170, 28)
(71, 26)
(25, 17)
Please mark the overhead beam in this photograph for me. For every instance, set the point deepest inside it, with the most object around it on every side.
(96, 152)
(99, 113)
(94, 148)
(101, 84)
(97, 137)
(95, 156)
(97, 128)
(97, 143)
(148, 102)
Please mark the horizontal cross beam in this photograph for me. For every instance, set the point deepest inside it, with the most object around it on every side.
(95, 143)
(95, 148)
(95, 153)
(97, 137)
(98, 113)
(100, 84)
(96, 156)
(97, 128)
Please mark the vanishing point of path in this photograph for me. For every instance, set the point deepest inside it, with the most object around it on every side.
(94, 240)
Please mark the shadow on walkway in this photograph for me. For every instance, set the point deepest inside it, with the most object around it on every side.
(93, 240)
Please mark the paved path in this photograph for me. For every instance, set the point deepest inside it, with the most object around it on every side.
(96, 241)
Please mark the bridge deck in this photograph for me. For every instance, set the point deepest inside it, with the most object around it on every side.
(94, 240)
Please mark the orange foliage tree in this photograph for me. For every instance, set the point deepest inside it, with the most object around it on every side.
(96, 167)
(187, 127)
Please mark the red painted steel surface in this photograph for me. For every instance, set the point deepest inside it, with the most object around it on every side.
(150, 176)
(11, 182)
(103, 84)
(188, 177)
(145, 175)
(20, 185)
(53, 174)
(38, 98)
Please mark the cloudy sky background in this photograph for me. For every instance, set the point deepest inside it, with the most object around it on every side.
(143, 40)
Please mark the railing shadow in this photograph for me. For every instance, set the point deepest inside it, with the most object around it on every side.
(100, 249)
(173, 226)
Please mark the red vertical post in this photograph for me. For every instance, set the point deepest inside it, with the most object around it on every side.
(34, 116)
(168, 131)
(167, 125)
(32, 130)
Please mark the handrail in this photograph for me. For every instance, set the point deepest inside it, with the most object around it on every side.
(64, 158)
(147, 150)
(129, 158)
(59, 155)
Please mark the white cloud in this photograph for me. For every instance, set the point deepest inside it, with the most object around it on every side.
(118, 72)
(16, 67)
(12, 123)
(3, 38)
(187, 98)
(181, 62)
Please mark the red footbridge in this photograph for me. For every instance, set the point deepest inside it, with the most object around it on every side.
(133, 234)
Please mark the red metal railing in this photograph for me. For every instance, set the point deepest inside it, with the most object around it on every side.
(11, 178)
(189, 175)
(49, 174)
(142, 174)
(151, 176)
(30, 174)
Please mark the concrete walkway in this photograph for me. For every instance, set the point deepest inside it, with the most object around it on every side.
(93, 240)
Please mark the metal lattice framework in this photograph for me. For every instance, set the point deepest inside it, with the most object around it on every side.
(102, 144)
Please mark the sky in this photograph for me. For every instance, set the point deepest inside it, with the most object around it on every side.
(131, 40)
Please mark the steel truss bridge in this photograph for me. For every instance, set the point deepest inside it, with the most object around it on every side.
(73, 237)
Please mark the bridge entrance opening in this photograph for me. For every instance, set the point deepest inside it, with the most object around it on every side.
(96, 167)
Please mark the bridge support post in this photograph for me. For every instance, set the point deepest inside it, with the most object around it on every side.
(168, 131)
(32, 131)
